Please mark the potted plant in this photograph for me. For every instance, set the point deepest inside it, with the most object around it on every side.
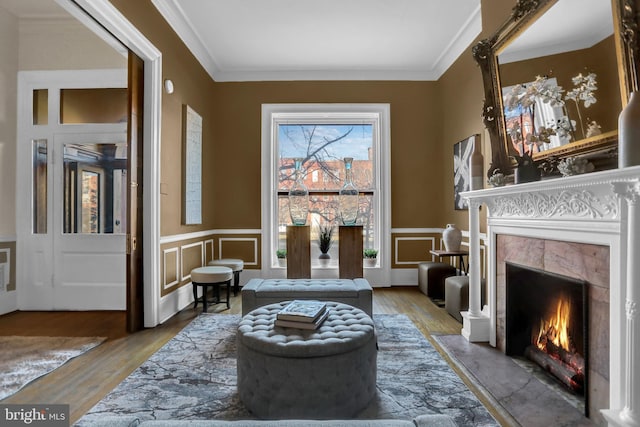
(325, 234)
(281, 254)
(370, 257)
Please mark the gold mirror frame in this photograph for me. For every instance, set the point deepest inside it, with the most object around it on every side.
(525, 12)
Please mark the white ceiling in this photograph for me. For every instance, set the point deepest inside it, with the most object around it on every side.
(250, 40)
(568, 25)
(253, 40)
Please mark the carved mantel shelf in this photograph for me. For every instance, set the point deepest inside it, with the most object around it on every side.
(589, 196)
(600, 208)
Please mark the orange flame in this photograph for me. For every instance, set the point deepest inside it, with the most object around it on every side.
(556, 329)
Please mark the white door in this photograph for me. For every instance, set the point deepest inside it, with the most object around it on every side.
(71, 199)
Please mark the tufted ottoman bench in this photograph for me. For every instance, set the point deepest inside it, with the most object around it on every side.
(355, 292)
(325, 373)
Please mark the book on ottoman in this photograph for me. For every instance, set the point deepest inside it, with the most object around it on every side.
(302, 325)
(302, 311)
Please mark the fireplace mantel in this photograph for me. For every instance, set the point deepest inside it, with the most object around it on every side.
(596, 208)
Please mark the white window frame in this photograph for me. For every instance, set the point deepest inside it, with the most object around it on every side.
(272, 115)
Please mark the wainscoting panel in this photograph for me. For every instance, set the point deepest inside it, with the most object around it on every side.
(170, 260)
(411, 250)
(208, 250)
(191, 256)
(411, 246)
(182, 253)
(8, 294)
(244, 248)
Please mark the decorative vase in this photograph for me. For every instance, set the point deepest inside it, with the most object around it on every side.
(370, 262)
(324, 259)
(527, 172)
(298, 197)
(629, 133)
(452, 238)
(348, 196)
(476, 165)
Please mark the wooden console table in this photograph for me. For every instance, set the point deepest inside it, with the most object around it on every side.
(298, 252)
(350, 253)
(460, 254)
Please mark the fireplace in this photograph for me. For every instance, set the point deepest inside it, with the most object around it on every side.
(546, 321)
(593, 218)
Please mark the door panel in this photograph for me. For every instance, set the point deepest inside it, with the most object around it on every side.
(90, 276)
(89, 263)
(135, 285)
(59, 266)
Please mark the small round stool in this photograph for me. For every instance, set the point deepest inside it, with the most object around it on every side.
(234, 264)
(210, 276)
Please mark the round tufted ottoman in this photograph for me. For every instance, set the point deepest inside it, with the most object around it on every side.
(325, 373)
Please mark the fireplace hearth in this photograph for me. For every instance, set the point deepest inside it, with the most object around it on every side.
(546, 321)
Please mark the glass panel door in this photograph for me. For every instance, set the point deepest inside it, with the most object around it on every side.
(95, 190)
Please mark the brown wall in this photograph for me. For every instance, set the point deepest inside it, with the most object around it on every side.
(462, 96)
(104, 105)
(193, 86)
(421, 147)
(427, 118)
(415, 144)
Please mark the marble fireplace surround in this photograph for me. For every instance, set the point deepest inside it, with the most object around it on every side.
(576, 260)
(569, 221)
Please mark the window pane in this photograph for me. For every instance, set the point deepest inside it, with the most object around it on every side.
(40, 106)
(90, 207)
(79, 106)
(95, 191)
(324, 209)
(323, 148)
(39, 186)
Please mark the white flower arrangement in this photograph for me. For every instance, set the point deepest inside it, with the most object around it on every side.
(524, 96)
(584, 89)
(574, 166)
(593, 128)
(564, 127)
(497, 179)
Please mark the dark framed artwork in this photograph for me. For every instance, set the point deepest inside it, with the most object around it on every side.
(461, 175)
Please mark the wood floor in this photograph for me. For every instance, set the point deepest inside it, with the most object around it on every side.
(85, 380)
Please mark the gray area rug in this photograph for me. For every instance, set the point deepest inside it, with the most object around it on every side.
(194, 377)
(24, 359)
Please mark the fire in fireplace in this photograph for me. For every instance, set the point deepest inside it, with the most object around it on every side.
(553, 348)
(546, 321)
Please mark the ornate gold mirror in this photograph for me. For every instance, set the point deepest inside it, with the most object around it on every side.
(556, 76)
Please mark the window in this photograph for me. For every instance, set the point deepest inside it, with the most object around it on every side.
(323, 135)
